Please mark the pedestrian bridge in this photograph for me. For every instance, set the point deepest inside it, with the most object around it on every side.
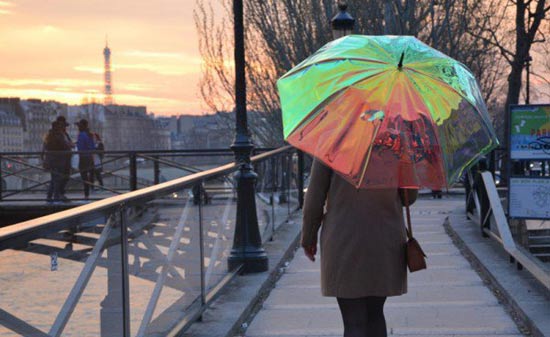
(151, 261)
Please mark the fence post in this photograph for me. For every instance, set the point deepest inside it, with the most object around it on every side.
(125, 271)
(484, 204)
(201, 254)
(1, 178)
(133, 171)
(114, 308)
(284, 173)
(156, 169)
(300, 178)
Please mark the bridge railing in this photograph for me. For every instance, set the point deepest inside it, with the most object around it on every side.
(24, 178)
(143, 263)
(484, 206)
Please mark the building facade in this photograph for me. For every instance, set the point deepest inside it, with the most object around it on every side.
(37, 119)
(11, 125)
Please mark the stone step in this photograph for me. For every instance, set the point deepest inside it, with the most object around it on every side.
(452, 320)
(416, 296)
(396, 333)
(423, 277)
(434, 262)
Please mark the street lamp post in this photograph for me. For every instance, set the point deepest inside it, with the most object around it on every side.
(247, 243)
(342, 23)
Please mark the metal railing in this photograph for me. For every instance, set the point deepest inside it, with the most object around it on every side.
(144, 263)
(485, 207)
(23, 177)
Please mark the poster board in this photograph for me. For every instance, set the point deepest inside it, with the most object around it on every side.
(530, 132)
(529, 198)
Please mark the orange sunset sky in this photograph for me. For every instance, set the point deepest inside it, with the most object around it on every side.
(54, 50)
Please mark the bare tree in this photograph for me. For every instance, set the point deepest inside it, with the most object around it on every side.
(282, 33)
(515, 41)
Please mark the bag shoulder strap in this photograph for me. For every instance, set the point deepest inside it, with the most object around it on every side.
(409, 230)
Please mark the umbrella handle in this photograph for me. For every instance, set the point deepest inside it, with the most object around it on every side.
(409, 232)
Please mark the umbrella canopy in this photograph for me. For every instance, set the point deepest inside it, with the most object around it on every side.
(386, 111)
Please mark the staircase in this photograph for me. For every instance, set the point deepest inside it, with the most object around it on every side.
(539, 244)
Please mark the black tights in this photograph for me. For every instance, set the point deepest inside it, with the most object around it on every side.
(363, 317)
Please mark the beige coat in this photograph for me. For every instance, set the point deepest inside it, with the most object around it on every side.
(363, 236)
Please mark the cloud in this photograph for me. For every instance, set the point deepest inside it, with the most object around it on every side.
(88, 69)
(54, 82)
(137, 87)
(49, 29)
(159, 68)
(150, 54)
(4, 5)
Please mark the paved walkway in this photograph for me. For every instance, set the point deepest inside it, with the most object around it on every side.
(447, 299)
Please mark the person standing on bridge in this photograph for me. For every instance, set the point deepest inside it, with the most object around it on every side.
(98, 159)
(363, 242)
(85, 145)
(62, 121)
(55, 148)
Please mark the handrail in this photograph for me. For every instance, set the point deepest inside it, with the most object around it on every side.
(128, 199)
(133, 225)
(536, 267)
(194, 151)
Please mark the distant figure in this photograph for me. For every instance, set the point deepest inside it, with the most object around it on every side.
(98, 159)
(437, 194)
(54, 160)
(85, 145)
(67, 156)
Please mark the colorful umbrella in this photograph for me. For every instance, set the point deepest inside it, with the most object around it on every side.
(386, 111)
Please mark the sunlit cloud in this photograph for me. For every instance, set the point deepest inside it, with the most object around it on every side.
(60, 83)
(5, 12)
(141, 53)
(50, 29)
(137, 87)
(87, 69)
(161, 69)
(6, 4)
(71, 97)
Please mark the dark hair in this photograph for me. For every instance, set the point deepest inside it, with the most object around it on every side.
(83, 125)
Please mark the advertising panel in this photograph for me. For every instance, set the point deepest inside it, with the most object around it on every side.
(530, 132)
(529, 198)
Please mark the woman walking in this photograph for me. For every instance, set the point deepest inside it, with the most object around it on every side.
(363, 242)
(85, 144)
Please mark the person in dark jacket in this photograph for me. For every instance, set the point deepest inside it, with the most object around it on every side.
(67, 156)
(55, 148)
(85, 145)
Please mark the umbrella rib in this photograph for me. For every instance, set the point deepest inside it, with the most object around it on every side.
(290, 73)
(367, 159)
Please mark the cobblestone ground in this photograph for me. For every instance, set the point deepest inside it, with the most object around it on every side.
(448, 299)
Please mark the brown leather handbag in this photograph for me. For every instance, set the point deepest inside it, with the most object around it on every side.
(415, 255)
